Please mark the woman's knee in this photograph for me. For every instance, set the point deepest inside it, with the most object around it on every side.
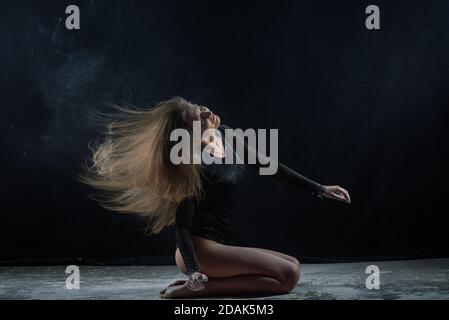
(296, 262)
(290, 275)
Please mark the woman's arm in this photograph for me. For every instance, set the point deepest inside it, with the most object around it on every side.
(183, 235)
(283, 173)
(292, 177)
(184, 214)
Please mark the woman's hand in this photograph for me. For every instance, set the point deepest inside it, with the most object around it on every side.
(337, 193)
(196, 281)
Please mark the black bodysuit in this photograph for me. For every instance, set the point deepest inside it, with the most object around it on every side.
(210, 216)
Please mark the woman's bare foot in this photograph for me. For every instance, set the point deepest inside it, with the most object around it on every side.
(179, 292)
(176, 283)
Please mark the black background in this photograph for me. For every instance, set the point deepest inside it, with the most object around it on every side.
(367, 110)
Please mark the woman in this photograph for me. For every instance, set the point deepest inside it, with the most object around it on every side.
(133, 163)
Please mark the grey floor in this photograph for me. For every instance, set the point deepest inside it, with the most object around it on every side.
(417, 279)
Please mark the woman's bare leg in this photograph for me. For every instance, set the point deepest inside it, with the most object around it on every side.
(241, 286)
(281, 255)
(182, 268)
(239, 271)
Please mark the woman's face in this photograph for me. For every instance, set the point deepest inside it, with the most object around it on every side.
(208, 119)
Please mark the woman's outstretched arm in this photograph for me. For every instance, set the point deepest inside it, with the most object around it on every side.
(294, 178)
(286, 174)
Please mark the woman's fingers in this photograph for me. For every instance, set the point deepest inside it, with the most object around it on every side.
(339, 197)
(195, 287)
(196, 282)
(346, 195)
(337, 193)
(343, 193)
(191, 285)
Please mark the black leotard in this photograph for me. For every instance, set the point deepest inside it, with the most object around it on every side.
(209, 217)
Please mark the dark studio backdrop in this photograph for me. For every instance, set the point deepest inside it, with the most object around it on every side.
(367, 110)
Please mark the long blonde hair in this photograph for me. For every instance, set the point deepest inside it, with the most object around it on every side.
(130, 163)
